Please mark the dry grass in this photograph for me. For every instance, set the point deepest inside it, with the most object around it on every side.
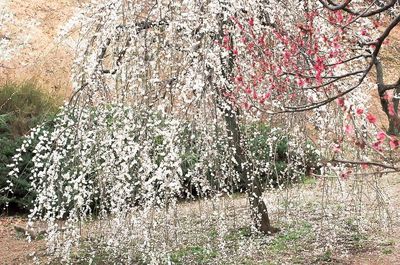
(42, 58)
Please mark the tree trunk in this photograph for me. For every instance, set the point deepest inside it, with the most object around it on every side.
(394, 125)
(393, 116)
(258, 209)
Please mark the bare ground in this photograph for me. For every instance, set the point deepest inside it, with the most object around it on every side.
(388, 253)
(14, 249)
(294, 245)
(42, 58)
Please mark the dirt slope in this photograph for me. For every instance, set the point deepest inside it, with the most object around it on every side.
(37, 23)
(14, 249)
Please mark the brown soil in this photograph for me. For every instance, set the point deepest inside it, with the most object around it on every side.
(14, 249)
(390, 57)
(42, 59)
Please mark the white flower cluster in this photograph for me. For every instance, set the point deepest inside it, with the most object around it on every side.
(146, 125)
(6, 17)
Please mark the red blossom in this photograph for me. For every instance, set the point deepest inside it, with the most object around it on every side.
(255, 96)
(371, 118)
(381, 136)
(340, 102)
(360, 111)
(251, 22)
(376, 23)
(393, 143)
(226, 39)
(377, 146)
(364, 32)
(346, 174)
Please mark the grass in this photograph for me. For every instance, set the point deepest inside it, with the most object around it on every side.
(387, 251)
(193, 255)
(388, 247)
(27, 105)
(355, 237)
(307, 236)
(292, 238)
(86, 255)
(237, 234)
(309, 181)
(326, 256)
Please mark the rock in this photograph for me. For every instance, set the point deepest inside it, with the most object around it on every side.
(33, 233)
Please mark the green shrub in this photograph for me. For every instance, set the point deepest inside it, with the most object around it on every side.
(22, 107)
(264, 147)
(285, 165)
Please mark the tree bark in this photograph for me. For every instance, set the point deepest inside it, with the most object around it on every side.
(258, 209)
(393, 118)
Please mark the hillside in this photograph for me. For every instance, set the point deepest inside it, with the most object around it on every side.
(36, 23)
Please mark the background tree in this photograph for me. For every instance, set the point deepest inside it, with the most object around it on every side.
(323, 59)
(315, 64)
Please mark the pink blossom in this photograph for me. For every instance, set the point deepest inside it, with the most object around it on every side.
(336, 148)
(360, 111)
(246, 105)
(340, 102)
(349, 129)
(371, 118)
(393, 143)
(381, 136)
(391, 110)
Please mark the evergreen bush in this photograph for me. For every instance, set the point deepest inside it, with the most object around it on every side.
(22, 107)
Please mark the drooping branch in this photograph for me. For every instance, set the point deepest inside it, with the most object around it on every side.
(374, 57)
(333, 6)
(371, 163)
